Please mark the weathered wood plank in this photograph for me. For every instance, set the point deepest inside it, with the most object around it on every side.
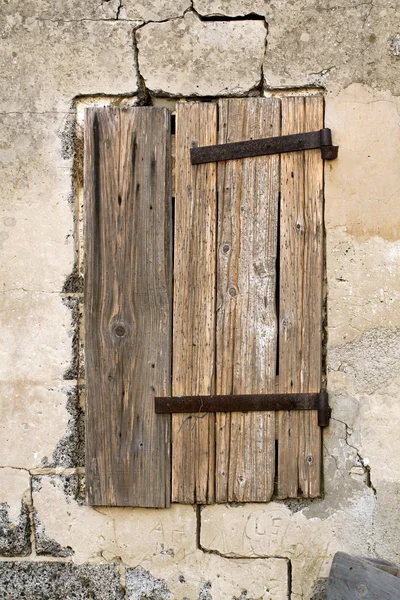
(248, 195)
(352, 578)
(310, 451)
(290, 294)
(301, 261)
(128, 305)
(193, 436)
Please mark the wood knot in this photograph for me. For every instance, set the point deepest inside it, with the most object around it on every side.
(120, 330)
(232, 292)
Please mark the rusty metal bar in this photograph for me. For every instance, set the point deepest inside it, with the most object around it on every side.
(273, 145)
(245, 403)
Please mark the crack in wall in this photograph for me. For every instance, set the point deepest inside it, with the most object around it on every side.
(362, 462)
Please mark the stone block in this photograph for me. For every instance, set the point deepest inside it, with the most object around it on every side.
(231, 8)
(154, 10)
(35, 337)
(58, 10)
(48, 581)
(36, 226)
(331, 44)
(131, 535)
(34, 418)
(213, 58)
(45, 64)
(14, 513)
(308, 537)
(209, 577)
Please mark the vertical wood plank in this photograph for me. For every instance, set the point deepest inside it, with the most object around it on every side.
(300, 319)
(128, 284)
(310, 451)
(193, 436)
(248, 197)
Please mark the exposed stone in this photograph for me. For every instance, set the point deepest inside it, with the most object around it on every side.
(45, 545)
(154, 10)
(14, 536)
(70, 449)
(71, 487)
(49, 581)
(14, 512)
(331, 44)
(205, 590)
(231, 8)
(76, 369)
(45, 64)
(319, 591)
(214, 58)
(395, 45)
(141, 585)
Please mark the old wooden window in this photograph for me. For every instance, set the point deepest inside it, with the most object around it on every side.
(218, 292)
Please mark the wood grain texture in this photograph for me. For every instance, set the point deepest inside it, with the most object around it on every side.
(193, 436)
(128, 283)
(300, 319)
(248, 197)
(353, 578)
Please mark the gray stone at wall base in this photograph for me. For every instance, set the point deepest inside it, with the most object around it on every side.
(14, 537)
(319, 591)
(58, 581)
(141, 585)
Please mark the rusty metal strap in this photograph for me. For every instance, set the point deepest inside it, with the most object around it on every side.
(273, 145)
(245, 403)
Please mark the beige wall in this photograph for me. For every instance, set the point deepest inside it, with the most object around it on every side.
(57, 57)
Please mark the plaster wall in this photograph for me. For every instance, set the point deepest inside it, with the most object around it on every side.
(57, 57)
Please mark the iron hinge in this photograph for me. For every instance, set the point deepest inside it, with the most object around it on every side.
(273, 145)
(245, 403)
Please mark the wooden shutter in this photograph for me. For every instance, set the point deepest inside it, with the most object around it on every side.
(127, 305)
(246, 303)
